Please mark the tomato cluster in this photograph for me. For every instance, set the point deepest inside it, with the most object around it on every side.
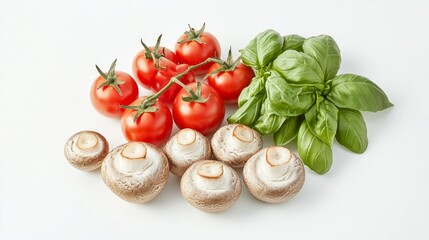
(171, 76)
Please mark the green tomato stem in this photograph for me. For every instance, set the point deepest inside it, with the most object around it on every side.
(149, 101)
(110, 78)
(147, 104)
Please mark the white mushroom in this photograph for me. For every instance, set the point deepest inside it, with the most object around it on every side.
(274, 174)
(210, 186)
(234, 144)
(184, 148)
(136, 172)
(86, 150)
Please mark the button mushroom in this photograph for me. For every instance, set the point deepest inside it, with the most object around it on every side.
(86, 150)
(274, 174)
(210, 186)
(184, 148)
(136, 172)
(234, 144)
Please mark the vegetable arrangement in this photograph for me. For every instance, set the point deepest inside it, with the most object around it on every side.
(287, 86)
(297, 92)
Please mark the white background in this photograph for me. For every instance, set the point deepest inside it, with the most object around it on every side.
(48, 50)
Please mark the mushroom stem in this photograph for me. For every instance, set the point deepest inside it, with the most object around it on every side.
(134, 151)
(243, 133)
(187, 140)
(87, 141)
(276, 156)
(241, 137)
(133, 158)
(210, 170)
(276, 164)
(186, 137)
(210, 176)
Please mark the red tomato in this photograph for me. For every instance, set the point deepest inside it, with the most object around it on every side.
(144, 68)
(151, 127)
(194, 47)
(106, 99)
(155, 74)
(204, 117)
(170, 55)
(230, 83)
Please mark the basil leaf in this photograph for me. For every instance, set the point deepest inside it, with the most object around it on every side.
(288, 131)
(267, 108)
(316, 154)
(352, 132)
(293, 42)
(248, 113)
(325, 50)
(268, 123)
(298, 68)
(263, 49)
(285, 100)
(256, 86)
(322, 120)
(358, 93)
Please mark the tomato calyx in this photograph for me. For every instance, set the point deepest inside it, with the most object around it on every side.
(229, 65)
(193, 35)
(195, 96)
(146, 106)
(110, 78)
(154, 54)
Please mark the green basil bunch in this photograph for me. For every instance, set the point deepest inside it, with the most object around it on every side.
(297, 93)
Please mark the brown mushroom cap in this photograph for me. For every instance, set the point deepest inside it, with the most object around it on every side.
(86, 150)
(210, 186)
(184, 148)
(136, 171)
(274, 174)
(234, 144)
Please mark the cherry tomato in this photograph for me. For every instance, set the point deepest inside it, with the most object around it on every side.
(170, 55)
(145, 70)
(111, 90)
(194, 47)
(205, 117)
(230, 83)
(163, 78)
(151, 127)
(155, 66)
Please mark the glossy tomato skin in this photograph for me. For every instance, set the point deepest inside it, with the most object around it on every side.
(193, 52)
(155, 79)
(151, 127)
(163, 78)
(144, 70)
(170, 55)
(203, 117)
(229, 84)
(107, 101)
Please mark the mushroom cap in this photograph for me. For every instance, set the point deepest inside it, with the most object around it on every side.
(136, 171)
(234, 144)
(184, 148)
(210, 186)
(274, 174)
(86, 150)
